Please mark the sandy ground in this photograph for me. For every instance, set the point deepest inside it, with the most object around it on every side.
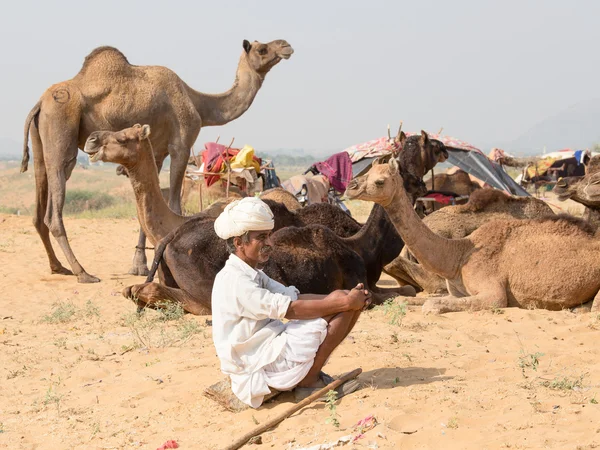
(102, 379)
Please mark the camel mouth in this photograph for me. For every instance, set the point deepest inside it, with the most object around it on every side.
(352, 193)
(286, 52)
(95, 153)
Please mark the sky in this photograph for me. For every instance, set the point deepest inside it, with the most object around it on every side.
(485, 71)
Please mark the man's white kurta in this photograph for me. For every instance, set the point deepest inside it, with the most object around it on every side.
(247, 308)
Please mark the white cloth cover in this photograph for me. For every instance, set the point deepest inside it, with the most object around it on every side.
(247, 214)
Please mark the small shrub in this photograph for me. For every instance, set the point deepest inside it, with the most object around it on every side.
(330, 399)
(91, 309)
(453, 423)
(564, 383)
(79, 200)
(62, 312)
(395, 311)
(531, 360)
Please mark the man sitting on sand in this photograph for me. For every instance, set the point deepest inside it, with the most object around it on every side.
(256, 349)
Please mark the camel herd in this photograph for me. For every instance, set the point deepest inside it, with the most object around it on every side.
(493, 252)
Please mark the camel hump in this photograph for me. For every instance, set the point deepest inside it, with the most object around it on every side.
(103, 58)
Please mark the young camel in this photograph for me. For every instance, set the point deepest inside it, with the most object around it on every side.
(550, 263)
(313, 258)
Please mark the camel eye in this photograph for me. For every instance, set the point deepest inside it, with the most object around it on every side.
(122, 140)
(379, 183)
(262, 51)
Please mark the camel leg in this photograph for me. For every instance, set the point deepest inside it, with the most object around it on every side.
(60, 156)
(493, 298)
(140, 263)
(139, 266)
(41, 203)
(414, 274)
(596, 303)
(380, 295)
(179, 159)
(149, 294)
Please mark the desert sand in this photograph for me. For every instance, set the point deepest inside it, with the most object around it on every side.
(79, 370)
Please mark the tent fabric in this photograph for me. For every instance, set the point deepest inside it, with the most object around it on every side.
(370, 149)
(338, 170)
(460, 153)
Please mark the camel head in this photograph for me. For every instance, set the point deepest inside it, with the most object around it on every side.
(120, 147)
(378, 185)
(438, 150)
(263, 57)
(584, 190)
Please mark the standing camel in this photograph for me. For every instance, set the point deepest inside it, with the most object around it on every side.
(108, 93)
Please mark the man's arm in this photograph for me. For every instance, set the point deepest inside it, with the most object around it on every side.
(311, 309)
(306, 307)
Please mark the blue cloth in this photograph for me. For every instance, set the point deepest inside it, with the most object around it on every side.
(578, 156)
(271, 180)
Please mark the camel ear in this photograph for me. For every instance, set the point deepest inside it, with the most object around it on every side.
(424, 138)
(402, 139)
(393, 166)
(145, 132)
(247, 46)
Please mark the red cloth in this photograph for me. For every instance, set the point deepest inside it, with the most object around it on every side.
(214, 158)
(441, 198)
(338, 169)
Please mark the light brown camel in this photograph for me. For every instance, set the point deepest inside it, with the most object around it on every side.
(455, 222)
(280, 195)
(313, 258)
(549, 263)
(584, 190)
(458, 182)
(108, 93)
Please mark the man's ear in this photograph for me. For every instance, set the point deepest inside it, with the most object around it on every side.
(237, 241)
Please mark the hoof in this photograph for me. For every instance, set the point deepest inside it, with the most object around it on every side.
(61, 271)
(407, 291)
(87, 278)
(141, 271)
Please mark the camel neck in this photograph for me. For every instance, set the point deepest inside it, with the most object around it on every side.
(156, 218)
(219, 109)
(435, 253)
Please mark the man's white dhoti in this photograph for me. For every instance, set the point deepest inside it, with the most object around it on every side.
(297, 357)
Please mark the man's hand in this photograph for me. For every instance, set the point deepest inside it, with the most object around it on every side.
(360, 298)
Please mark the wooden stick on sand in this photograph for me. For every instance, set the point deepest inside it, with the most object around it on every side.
(280, 418)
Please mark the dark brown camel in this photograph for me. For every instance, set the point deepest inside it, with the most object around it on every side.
(109, 93)
(312, 258)
(417, 156)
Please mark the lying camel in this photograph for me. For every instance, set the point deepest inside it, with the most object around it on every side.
(549, 263)
(312, 258)
(454, 222)
(320, 258)
(584, 190)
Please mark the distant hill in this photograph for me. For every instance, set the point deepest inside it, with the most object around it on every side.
(577, 127)
(10, 149)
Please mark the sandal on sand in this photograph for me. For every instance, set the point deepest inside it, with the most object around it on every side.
(300, 393)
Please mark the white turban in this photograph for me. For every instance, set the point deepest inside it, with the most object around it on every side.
(247, 214)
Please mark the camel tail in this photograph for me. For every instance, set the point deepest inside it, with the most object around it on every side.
(159, 251)
(34, 112)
